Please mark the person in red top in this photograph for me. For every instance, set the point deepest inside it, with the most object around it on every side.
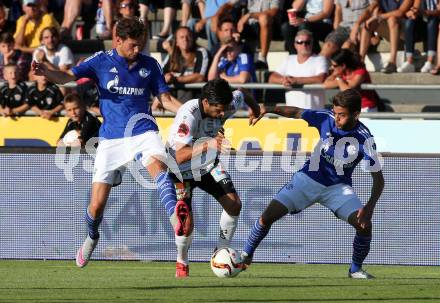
(350, 72)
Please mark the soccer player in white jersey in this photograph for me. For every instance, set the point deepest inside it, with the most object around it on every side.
(196, 130)
(125, 79)
(326, 176)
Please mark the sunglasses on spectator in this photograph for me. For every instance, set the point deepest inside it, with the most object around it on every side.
(305, 42)
(126, 5)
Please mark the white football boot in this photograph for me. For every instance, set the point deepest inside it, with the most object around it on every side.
(361, 274)
(85, 251)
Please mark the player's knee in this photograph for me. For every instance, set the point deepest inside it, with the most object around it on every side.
(364, 230)
(265, 220)
(235, 208)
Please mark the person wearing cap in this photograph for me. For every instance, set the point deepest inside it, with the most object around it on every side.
(31, 24)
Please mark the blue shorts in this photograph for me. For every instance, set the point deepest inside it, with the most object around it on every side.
(302, 192)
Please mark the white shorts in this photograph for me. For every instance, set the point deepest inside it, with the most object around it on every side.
(302, 192)
(112, 155)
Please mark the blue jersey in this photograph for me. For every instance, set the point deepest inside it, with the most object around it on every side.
(124, 92)
(338, 152)
(243, 63)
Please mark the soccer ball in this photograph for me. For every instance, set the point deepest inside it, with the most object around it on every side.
(226, 263)
(70, 137)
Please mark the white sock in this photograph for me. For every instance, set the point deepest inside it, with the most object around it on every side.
(183, 243)
(228, 225)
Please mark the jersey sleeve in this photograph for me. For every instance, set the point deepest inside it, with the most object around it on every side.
(315, 118)
(186, 125)
(157, 84)
(88, 68)
(370, 155)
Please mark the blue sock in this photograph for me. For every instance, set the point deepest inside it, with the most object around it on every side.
(257, 234)
(93, 225)
(361, 248)
(167, 192)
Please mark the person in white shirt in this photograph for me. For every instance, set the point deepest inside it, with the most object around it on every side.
(303, 68)
(52, 51)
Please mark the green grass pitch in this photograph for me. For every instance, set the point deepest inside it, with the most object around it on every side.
(62, 281)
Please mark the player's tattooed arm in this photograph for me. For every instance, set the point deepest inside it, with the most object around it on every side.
(285, 111)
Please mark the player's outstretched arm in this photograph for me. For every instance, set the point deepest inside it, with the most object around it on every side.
(285, 111)
(54, 76)
(169, 102)
(366, 213)
(255, 110)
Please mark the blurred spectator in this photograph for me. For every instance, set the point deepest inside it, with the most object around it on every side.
(13, 94)
(421, 18)
(129, 9)
(383, 16)
(30, 25)
(51, 50)
(436, 69)
(170, 8)
(303, 68)
(186, 63)
(187, 8)
(349, 72)
(230, 62)
(8, 55)
(313, 15)
(45, 99)
(15, 10)
(208, 26)
(259, 19)
(82, 124)
(6, 26)
(74, 8)
(346, 27)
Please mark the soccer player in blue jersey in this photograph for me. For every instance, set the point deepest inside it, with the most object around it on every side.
(125, 79)
(326, 176)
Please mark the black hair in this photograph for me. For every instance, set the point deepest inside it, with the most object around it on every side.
(217, 91)
(130, 28)
(350, 99)
(7, 38)
(345, 56)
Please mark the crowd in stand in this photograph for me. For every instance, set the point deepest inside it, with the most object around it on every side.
(327, 41)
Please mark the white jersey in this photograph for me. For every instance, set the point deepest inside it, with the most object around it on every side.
(190, 125)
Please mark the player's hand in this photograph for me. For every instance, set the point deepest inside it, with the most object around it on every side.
(200, 25)
(297, 21)
(255, 117)
(220, 143)
(40, 69)
(364, 216)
